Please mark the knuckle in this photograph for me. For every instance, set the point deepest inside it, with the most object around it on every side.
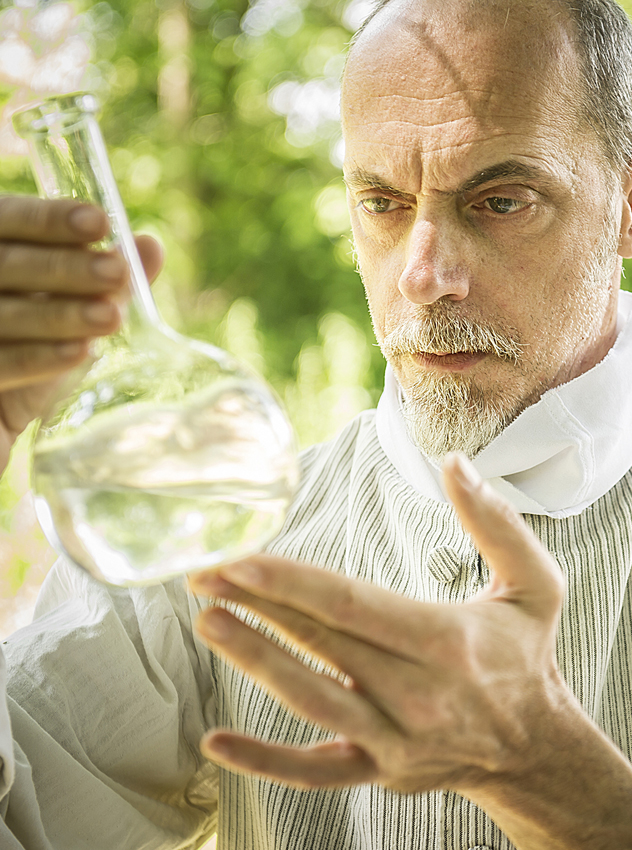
(57, 315)
(257, 653)
(309, 633)
(55, 266)
(35, 215)
(344, 606)
(320, 711)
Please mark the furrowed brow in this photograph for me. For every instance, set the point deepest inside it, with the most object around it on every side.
(511, 169)
(360, 179)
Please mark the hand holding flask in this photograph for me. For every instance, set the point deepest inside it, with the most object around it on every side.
(166, 455)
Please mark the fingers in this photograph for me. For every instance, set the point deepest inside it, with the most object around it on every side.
(25, 364)
(375, 673)
(56, 293)
(330, 765)
(356, 608)
(151, 255)
(523, 569)
(37, 268)
(25, 319)
(30, 219)
(315, 696)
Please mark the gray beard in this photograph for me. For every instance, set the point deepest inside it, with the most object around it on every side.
(447, 412)
(447, 415)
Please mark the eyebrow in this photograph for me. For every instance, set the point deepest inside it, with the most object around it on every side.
(361, 179)
(510, 169)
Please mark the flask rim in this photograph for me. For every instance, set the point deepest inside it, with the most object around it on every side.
(59, 113)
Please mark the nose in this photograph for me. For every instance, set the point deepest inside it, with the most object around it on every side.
(434, 267)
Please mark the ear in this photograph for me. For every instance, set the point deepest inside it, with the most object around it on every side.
(625, 233)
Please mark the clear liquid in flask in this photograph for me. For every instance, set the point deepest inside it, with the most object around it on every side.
(121, 499)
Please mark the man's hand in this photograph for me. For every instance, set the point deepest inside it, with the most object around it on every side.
(56, 295)
(461, 697)
(438, 696)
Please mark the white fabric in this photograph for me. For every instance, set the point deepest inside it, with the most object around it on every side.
(559, 456)
(7, 761)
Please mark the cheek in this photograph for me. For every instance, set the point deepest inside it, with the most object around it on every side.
(379, 241)
(382, 291)
(380, 268)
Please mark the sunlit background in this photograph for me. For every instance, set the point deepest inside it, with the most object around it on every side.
(222, 123)
(221, 118)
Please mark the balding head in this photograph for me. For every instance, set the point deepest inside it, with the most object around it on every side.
(598, 30)
(483, 196)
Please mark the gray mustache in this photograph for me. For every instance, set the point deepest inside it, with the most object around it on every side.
(445, 333)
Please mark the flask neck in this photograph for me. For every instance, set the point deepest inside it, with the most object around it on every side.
(70, 160)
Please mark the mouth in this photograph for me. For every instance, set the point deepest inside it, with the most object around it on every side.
(458, 361)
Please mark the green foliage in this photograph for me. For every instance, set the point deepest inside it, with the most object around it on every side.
(244, 209)
(206, 164)
(246, 200)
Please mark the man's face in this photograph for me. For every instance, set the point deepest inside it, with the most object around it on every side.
(484, 221)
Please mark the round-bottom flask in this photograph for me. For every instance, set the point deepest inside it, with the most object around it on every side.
(167, 456)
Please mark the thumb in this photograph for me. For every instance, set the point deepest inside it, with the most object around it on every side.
(523, 570)
(151, 255)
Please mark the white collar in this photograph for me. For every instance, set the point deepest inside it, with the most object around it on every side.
(559, 456)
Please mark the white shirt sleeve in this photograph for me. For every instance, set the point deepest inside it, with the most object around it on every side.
(7, 762)
(108, 694)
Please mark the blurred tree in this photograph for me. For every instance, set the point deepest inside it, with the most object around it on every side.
(222, 123)
(221, 118)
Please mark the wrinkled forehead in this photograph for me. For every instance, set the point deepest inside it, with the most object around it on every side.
(493, 58)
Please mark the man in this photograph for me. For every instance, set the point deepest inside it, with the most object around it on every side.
(487, 162)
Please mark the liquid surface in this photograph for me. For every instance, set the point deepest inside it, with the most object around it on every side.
(128, 536)
(139, 495)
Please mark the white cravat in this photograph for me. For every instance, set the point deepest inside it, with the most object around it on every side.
(559, 456)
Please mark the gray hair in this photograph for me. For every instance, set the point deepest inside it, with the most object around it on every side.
(604, 49)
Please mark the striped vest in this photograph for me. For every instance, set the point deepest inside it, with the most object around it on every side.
(356, 515)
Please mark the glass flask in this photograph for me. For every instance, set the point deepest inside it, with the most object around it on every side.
(163, 455)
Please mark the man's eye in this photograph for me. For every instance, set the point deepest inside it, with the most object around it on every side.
(502, 206)
(379, 205)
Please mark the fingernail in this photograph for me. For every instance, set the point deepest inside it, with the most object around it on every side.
(243, 572)
(465, 471)
(86, 221)
(68, 350)
(108, 267)
(99, 313)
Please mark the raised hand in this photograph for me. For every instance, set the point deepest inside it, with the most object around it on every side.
(56, 295)
(459, 697)
(437, 695)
